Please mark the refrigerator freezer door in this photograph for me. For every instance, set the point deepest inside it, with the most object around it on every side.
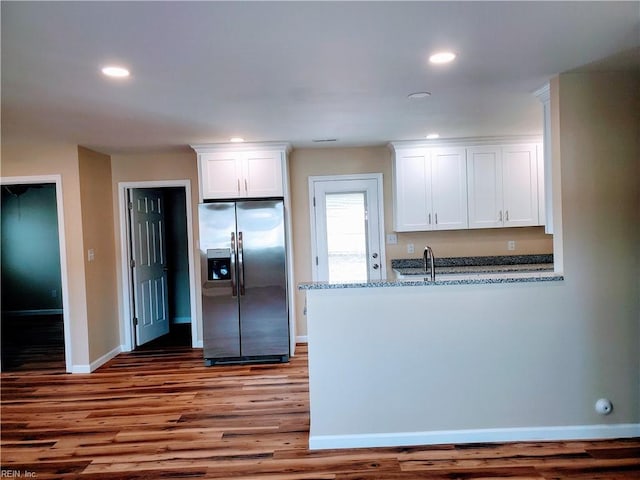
(264, 329)
(220, 313)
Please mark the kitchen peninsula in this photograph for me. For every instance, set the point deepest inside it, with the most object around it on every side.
(425, 362)
(481, 362)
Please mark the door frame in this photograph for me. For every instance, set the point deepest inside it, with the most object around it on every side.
(126, 318)
(57, 180)
(381, 226)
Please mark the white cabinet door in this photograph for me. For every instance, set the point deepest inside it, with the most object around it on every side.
(430, 189)
(229, 174)
(220, 174)
(262, 174)
(484, 169)
(520, 185)
(503, 186)
(412, 190)
(449, 188)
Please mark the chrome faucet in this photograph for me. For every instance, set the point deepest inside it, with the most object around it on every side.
(428, 257)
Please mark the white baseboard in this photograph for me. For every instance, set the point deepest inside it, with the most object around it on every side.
(578, 432)
(98, 362)
(301, 339)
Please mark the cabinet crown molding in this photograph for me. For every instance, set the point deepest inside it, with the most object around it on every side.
(466, 142)
(242, 147)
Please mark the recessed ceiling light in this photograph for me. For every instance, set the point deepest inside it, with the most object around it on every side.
(236, 139)
(416, 95)
(115, 72)
(433, 136)
(442, 57)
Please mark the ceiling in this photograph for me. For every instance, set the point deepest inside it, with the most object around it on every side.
(202, 72)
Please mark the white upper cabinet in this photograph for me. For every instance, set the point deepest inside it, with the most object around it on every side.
(262, 173)
(220, 174)
(430, 190)
(226, 173)
(484, 181)
(412, 190)
(449, 188)
(520, 185)
(503, 186)
(491, 183)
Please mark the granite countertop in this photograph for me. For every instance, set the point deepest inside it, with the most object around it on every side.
(459, 271)
(476, 265)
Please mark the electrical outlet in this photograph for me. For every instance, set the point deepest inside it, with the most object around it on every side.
(392, 239)
(91, 255)
(410, 248)
(511, 245)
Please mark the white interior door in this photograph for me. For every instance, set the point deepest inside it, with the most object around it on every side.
(149, 264)
(347, 228)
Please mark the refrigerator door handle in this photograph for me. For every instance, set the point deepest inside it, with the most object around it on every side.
(240, 263)
(234, 284)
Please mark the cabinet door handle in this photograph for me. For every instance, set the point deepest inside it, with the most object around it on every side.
(246, 189)
(238, 185)
(436, 218)
(500, 215)
(429, 219)
(506, 215)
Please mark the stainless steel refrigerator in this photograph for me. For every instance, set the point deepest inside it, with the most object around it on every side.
(244, 293)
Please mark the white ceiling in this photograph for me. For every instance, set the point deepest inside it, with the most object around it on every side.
(293, 71)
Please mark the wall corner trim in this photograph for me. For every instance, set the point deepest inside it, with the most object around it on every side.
(576, 432)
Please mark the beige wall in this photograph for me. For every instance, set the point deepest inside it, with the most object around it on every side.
(32, 158)
(89, 182)
(322, 161)
(339, 161)
(98, 235)
(152, 167)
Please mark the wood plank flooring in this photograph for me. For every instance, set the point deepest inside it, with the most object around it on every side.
(161, 414)
(32, 342)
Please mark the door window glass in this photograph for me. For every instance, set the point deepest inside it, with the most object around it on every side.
(346, 236)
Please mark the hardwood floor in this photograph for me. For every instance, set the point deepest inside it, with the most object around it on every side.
(161, 414)
(32, 342)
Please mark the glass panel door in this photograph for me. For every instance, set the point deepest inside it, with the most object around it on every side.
(347, 228)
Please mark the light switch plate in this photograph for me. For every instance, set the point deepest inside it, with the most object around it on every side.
(392, 239)
(410, 248)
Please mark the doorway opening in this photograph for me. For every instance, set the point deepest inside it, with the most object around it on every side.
(347, 228)
(157, 259)
(35, 327)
